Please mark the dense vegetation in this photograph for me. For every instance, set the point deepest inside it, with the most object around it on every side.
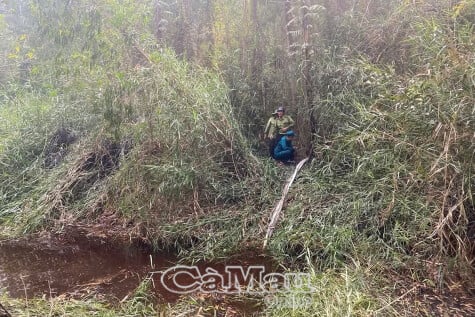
(150, 112)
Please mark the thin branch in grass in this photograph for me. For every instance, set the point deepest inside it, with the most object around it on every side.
(4, 312)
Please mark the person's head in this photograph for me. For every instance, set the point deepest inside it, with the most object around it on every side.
(290, 135)
(280, 111)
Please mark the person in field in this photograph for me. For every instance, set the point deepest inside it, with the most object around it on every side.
(284, 150)
(276, 127)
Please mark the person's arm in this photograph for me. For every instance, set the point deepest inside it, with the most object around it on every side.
(291, 123)
(267, 126)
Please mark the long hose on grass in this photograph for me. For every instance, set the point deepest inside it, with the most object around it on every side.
(278, 208)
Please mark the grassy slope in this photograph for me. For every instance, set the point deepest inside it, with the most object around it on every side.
(389, 195)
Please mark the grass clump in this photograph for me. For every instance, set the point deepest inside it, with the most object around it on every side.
(167, 151)
(333, 294)
(189, 146)
(139, 303)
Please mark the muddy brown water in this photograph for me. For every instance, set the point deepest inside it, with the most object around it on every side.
(52, 266)
(75, 266)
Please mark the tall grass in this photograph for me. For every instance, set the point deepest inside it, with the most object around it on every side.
(189, 146)
(166, 128)
(162, 152)
(334, 294)
(139, 303)
(391, 181)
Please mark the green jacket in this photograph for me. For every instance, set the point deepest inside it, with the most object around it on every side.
(275, 125)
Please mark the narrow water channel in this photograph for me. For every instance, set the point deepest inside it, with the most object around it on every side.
(52, 268)
(56, 266)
